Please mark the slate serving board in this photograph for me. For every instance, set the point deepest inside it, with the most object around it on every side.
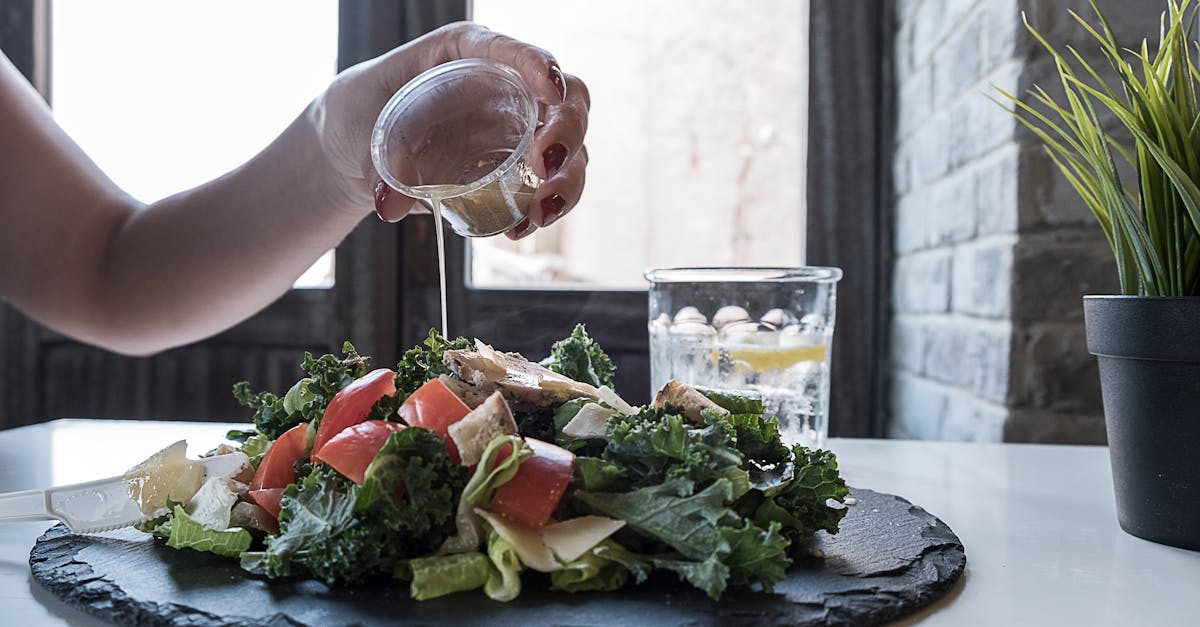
(890, 558)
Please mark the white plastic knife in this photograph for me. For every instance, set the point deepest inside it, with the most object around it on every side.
(100, 505)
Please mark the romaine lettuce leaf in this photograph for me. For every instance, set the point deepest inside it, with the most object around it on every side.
(589, 573)
(255, 447)
(188, 534)
(489, 475)
(298, 396)
(504, 583)
(438, 575)
(734, 401)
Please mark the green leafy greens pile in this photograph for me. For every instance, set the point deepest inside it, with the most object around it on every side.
(718, 501)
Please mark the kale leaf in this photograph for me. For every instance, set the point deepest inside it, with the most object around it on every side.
(270, 418)
(330, 374)
(538, 425)
(339, 532)
(757, 438)
(656, 444)
(815, 481)
(307, 399)
(417, 459)
(579, 357)
(672, 513)
(710, 554)
(756, 554)
(422, 363)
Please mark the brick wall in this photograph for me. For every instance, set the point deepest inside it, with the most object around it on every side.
(993, 250)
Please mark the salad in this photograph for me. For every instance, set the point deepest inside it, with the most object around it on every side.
(464, 467)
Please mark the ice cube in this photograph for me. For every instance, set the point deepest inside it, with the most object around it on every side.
(749, 333)
(813, 323)
(661, 324)
(690, 314)
(729, 314)
(693, 331)
(779, 318)
(795, 335)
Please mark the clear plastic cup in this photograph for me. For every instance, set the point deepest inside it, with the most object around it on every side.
(460, 134)
(763, 331)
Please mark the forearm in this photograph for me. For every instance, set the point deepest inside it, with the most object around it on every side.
(200, 261)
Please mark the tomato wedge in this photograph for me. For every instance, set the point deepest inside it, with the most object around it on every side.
(532, 495)
(268, 499)
(351, 405)
(434, 407)
(278, 467)
(352, 450)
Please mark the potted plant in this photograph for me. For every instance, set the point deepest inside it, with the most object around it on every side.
(1143, 185)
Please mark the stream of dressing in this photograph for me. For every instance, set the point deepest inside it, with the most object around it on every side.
(436, 202)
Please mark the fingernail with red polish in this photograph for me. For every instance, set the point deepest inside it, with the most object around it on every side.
(559, 82)
(553, 158)
(523, 228)
(552, 209)
(381, 195)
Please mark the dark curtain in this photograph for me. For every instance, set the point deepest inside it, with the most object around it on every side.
(849, 197)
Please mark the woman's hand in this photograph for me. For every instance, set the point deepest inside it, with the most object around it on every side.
(345, 115)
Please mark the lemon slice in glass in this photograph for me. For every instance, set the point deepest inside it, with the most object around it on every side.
(762, 359)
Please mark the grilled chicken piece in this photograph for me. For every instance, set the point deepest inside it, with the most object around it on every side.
(471, 395)
(254, 519)
(690, 400)
(525, 385)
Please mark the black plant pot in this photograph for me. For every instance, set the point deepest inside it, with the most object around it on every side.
(1149, 354)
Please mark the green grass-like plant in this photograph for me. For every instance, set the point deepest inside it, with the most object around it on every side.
(1154, 229)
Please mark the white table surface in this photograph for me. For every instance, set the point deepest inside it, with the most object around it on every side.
(1038, 522)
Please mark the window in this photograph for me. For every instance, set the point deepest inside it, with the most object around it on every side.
(697, 139)
(165, 96)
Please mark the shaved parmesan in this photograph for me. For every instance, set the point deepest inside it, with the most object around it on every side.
(609, 397)
(212, 504)
(590, 423)
(492, 363)
(572, 538)
(526, 542)
(168, 475)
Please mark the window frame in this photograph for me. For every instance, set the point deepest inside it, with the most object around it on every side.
(386, 297)
(848, 225)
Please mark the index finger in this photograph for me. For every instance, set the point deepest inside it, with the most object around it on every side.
(537, 66)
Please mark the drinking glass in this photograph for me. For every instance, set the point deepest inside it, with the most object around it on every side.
(459, 135)
(761, 331)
